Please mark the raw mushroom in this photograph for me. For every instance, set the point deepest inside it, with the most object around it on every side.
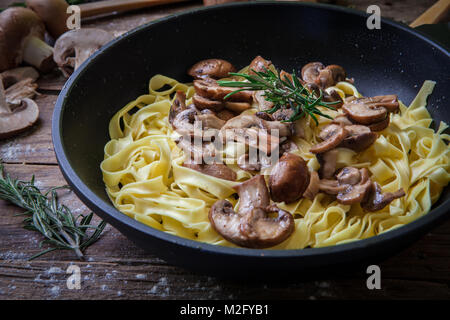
(21, 39)
(20, 83)
(16, 118)
(53, 13)
(376, 200)
(211, 68)
(75, 46)
(15, 75)
(252, 225)
(289, 178)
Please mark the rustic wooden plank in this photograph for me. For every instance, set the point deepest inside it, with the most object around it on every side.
(34, 145)
(116, 269)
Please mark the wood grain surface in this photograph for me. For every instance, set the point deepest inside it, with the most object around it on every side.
(116, 269)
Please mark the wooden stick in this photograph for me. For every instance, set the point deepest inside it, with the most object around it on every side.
(433, 15)
(103, 7)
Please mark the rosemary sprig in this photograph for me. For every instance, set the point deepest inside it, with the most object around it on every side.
(44, 214)
(287, 92)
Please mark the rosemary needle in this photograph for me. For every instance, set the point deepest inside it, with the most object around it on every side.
(283, 93)
(44, 214)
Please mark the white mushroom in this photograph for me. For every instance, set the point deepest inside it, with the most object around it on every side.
(53, 13)
(75, 46)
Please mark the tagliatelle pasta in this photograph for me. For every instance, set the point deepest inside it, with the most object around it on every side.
(145, 179)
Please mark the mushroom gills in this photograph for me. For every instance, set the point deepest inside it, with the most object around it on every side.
(252, 225)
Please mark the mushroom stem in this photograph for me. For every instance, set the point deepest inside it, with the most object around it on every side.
(39, 54)
(4, 107)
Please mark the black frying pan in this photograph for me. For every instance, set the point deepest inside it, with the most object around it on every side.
(395, 59)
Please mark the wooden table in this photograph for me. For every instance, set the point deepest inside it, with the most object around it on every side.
(116, 269)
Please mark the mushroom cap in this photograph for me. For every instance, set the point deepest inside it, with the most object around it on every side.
(20, 119)
(332, 135)
(362, 111)
(212, 68)
(53, 13)
(16, 24)
(289, 178)
(83, 42)
(311, 71)
(359, 138)
(259, 64)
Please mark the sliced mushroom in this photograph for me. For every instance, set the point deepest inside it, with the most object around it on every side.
(330, 75)
(259, 64)
(313, 187)
(327, 162)
(251, 226)
(368, 110)
(359, 138)
(75, 46)
(288, 146)
(252, 121)
(289, 178)
(332, 136)
(15, 75)
(211, 68)
(226, 115)
(21, 39)
(53, 13)
(205, 103)
(245, 164)
(24, 89)
(263, 104)
(311, 71)
(351, 186)
(342, 120)
(178, 105)
(264, 115)
(283, 114)
(16, 118)
(195, 151)
(333, 96)
(218, 170)
(380, 125)
(212, 91)
(376, 200)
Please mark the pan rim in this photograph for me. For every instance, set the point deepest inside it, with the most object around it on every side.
(102, 207)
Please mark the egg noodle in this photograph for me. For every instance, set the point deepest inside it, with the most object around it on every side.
(145, 179)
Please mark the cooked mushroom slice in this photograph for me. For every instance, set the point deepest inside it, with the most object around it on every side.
(311, 71)
(53, 13)
(264, 115)
(283, 114)
(218, 170)
(312, 88)
(349, 175)
(237, 107)
(210, 121)
(313, 187)
(368, 110)
(252, 121)
(259, 64)
(211, 68)
(359, 138)
(178, 105)
(211, 90)
(225, 115)
(333, 96)
(288, 146)
(204, 103)
(16, 118)
(332, 135)
(197, 152)
(244, 163)
(327, 162)
(376, 200)
(380, 125)
(390, 102)
(21, 39)
(75, 46)
(263, 104)
(355, 192)
(329, 76)
(289, 178)
(251, 226)
(342, 120)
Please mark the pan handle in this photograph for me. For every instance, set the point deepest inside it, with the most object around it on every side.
(433, 15)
